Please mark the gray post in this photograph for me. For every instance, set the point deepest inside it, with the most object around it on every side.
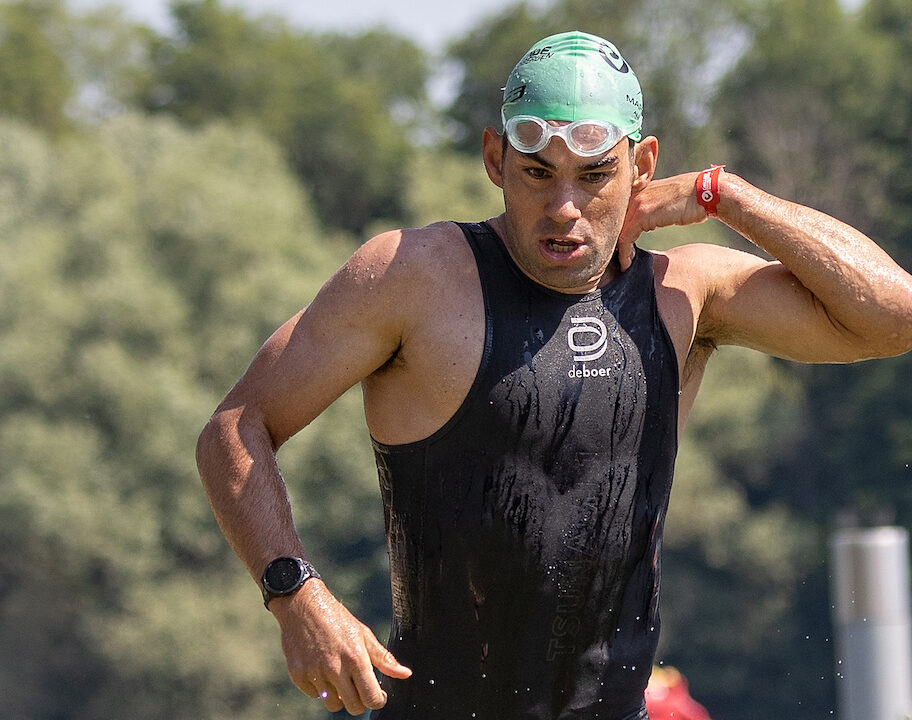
(870, 589)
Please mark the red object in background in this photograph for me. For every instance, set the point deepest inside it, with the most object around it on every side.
(668, 698)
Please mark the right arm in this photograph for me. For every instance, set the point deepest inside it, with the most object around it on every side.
(353, 326)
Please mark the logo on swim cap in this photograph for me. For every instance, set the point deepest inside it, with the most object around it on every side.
(575, 76)
(613, 57)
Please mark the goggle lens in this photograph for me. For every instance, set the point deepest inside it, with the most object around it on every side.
(529, 134)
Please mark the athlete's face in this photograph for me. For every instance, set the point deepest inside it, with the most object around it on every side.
(564, 212)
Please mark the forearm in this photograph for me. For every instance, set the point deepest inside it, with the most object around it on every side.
(861, 289)
(238, 469)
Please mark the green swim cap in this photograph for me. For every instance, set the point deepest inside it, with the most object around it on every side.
(575, 76)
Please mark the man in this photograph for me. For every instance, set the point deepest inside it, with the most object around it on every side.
(525, 382)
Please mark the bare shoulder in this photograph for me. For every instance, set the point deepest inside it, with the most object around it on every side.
(687, 276)
(708, 276)
(690, 280)
(701, 266)
(357, 322)
(396, 267)
(430, 249)
(681, 282)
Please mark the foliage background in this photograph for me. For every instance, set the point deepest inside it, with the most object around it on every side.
(167, 200)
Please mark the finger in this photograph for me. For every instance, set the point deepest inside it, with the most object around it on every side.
(321, 689)
(331, 700)
(350, 697)
(368, 689)
(630, 231)
(308, 688)
(626, 249)
(306, 682)
(626, 253)
(383, 659)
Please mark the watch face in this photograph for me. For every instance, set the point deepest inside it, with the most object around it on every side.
(283, 575)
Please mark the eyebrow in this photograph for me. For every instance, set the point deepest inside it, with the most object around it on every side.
(606, 160)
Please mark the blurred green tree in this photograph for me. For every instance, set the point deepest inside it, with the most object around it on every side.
(143, 265)
(35, 85)
(342, 108)
(144, 259)
(815, 111)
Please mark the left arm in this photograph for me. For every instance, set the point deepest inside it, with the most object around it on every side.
(832, 295)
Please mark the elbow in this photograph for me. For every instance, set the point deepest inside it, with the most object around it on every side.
(883, 334)
(218, 443)
(900, 346)
(209, 446)
(233, 439)
(899, 339)
(896, 339)
(885, 329)
(886, 344)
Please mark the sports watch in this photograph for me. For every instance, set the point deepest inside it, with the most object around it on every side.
(285, 576)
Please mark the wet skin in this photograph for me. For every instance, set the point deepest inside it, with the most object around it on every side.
(404, 318)
(564, 212)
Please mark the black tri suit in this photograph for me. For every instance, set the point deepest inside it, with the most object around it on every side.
(525, 535)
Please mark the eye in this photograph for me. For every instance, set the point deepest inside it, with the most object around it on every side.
(537, 173)
(595, 178)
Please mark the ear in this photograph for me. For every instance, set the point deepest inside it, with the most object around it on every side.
(492, 154)
(645, 157)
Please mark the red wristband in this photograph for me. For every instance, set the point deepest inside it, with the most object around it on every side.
(707, 188)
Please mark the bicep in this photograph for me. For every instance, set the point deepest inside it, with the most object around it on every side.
(761, 305)
(343, 336)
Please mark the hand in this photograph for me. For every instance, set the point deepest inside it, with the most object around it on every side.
(330, 654)
(661, 203)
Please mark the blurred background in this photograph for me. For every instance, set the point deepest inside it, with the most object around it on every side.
(178, 179)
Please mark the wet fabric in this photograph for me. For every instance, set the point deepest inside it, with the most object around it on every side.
(525, 535)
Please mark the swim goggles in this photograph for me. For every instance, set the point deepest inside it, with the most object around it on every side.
(529, 134)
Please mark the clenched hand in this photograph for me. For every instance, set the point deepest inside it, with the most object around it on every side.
(670, 201)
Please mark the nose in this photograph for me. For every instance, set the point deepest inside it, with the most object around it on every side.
(563, 205)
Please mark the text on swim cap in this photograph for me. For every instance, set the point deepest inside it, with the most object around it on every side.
(537, 54)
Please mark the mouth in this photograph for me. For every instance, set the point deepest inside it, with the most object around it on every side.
(561, 245)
